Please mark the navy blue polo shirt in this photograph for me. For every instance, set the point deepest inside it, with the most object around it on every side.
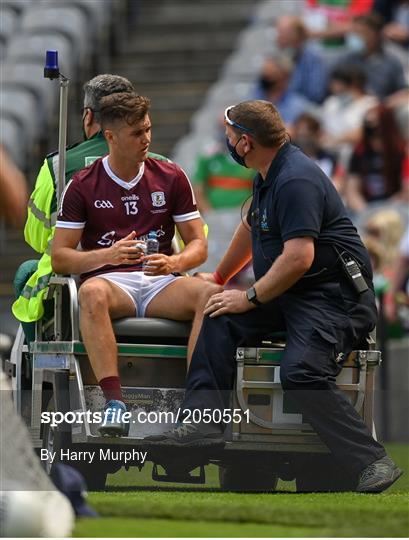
(296, 200)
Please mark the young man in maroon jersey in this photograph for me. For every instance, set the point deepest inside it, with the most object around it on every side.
(107, 208)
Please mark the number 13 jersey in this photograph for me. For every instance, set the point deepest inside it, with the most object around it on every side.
(107, 208)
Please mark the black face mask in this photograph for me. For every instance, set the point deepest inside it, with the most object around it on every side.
(267, 84)
(370, 130)
(233, 152)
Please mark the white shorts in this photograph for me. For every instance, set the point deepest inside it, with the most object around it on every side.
(140, 288)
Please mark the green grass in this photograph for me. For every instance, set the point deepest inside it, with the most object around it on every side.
(148, 510)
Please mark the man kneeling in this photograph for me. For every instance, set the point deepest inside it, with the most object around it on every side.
(109, 208)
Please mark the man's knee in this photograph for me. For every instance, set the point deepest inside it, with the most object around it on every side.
(93, 295)
(205, 291)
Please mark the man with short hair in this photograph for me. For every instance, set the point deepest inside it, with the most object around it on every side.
(110, 208)
(309, 77)
(384, 70)
(42, 206)
(297, 233)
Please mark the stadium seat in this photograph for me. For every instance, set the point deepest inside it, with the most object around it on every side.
(19, 6)
(30, 75)
(32, 47)
(69, 21)
(11, 138)
(227, 92)
(98, 12)
(20, 104)
(9, 21)
(243, 65)
(258, 39)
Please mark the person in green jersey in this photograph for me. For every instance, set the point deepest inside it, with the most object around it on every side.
(32, 278)
(220, 183)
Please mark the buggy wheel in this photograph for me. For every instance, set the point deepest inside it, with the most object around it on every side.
(243, 476)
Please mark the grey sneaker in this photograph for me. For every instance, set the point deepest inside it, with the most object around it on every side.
(378, 476)
(182, 434)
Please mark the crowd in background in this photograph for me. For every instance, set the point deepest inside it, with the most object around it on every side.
(340, 82)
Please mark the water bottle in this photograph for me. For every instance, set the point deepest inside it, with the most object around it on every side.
(152, 246)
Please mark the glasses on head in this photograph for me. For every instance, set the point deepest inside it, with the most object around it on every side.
(233, 123)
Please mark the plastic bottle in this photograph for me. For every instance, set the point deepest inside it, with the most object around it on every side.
(152, 246)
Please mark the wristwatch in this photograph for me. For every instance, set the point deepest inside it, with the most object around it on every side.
(252, 296)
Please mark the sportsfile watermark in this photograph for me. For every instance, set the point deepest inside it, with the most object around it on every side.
(187, 416)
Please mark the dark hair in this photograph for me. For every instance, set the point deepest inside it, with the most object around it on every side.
(124, 107)
(101, 86)
(393, 149)
(374, 21)
(351, 75)
(262, 119)
(312, 122)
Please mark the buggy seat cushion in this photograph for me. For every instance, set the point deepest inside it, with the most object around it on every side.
(155, 328)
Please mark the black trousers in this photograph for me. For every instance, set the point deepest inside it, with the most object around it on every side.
(320, 325)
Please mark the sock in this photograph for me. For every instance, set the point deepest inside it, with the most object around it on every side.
(111, 387)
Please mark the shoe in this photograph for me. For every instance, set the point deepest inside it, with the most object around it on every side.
(113, 424)
(197, 435)
(378, 476)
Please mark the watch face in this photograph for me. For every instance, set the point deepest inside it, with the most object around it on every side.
(251, 294)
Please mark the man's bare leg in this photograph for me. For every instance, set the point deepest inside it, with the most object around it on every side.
(183, 300)
(101, 301)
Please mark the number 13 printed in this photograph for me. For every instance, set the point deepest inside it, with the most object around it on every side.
(131, 208)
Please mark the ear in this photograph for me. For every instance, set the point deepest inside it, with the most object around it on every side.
(248, 142)
(109, 135)
(88, 118)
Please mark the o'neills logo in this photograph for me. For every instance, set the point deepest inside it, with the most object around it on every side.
(130, 198)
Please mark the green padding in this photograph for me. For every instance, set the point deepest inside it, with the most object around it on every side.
(170, 351)
(271, 356)
(24, 272)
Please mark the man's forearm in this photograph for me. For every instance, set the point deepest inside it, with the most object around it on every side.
(193, 255)
(238, 253)
(72, 261)
(283, 274)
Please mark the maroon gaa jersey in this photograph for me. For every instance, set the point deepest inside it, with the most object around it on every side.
(107, 209)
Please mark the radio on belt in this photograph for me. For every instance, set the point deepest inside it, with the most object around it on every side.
(353, 272)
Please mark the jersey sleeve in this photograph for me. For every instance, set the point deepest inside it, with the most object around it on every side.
(299, 209)
(72, 209)
(184, 208)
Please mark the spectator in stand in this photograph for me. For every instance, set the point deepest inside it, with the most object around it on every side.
(13, 192)
(218, 181)
(395, 14)
(307, 136)
(273, 86)
(399, 292)
(330, 20)
(309, 77)
(384, 230)
(384, 71)
(343, 112)
(375, 172)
